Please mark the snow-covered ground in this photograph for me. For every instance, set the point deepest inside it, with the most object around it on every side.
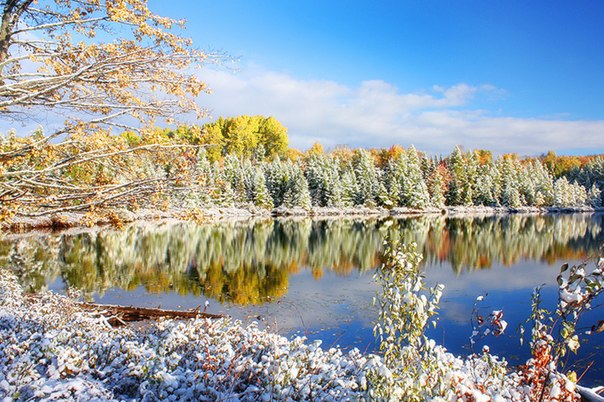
(52, 350)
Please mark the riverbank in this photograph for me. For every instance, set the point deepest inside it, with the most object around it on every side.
(119, 217)
(51, 349)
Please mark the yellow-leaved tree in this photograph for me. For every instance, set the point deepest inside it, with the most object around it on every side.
(99, 64)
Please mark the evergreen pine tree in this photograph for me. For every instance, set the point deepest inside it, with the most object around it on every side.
(487, 186)
(543, 183)
(323, 178)
(392, 176)
(456, 168)
(203, 183)
(511, 196)
(593, 174)
(297, 193)
(509, 168)
(579, 195)
(349, 186)
(260, 194)
(594, 197)
(313, 172)
(331, 183)
(437, 187)
(233, 174)
(563, 196)
(277, 178)
(366, 178)
(472, 168)
(413, 191)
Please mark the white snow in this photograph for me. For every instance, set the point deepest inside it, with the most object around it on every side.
(51, 350)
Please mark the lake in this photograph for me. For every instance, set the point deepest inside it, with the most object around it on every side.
(315, 277)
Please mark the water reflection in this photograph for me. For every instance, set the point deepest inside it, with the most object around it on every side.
(313, 277)
(250, 263)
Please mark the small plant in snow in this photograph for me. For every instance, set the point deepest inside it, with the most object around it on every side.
(492, 324)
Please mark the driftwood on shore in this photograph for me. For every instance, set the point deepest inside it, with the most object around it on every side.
(591, 394)
(120, 315)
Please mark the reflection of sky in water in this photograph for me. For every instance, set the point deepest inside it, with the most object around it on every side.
(335, 306)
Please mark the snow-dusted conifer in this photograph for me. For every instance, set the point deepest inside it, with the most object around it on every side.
(472, 168)
(579, 194)
(260, 194)
(233, 173)
(391, 179)
(487, 191)
(413, 189)
(349, 186)
(563, 194)
(203, 182)
(509, 170)
(543, 183)
(277, 178)
(366, 178)
(511, 196)
(458, 184)
(594, 197)
(437, 187)
(323, 178)
(296, 194)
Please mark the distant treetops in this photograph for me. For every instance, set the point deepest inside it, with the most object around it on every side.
(383, 177)
(242, 136)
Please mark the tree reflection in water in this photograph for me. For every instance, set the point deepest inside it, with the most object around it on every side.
(249, 263)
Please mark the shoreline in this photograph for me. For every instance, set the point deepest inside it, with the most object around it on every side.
(118, 218)
(79, 356)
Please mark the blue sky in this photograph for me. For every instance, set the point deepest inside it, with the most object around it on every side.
(512, 76)
(547, 56)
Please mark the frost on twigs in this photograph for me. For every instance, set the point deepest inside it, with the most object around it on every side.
(414, 367)
(555, 333)
(483, 326)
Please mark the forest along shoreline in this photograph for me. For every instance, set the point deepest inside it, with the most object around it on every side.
(118, 218)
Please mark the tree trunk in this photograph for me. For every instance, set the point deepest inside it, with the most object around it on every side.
(118, 315)
(9, 17)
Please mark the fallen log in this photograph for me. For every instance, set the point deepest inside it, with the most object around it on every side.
(591, 394)
(120, 315)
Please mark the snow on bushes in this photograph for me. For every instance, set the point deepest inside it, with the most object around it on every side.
(52, 350)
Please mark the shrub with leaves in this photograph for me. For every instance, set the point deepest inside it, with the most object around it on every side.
(554, 333)
(406, 309)
(414, 368)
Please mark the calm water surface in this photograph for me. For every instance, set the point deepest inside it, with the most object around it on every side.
(315, 277)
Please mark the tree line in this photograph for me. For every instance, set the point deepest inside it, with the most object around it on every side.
(245, 162)
(399, 178)
(116, 65)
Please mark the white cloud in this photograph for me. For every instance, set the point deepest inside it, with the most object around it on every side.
(377, 114)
